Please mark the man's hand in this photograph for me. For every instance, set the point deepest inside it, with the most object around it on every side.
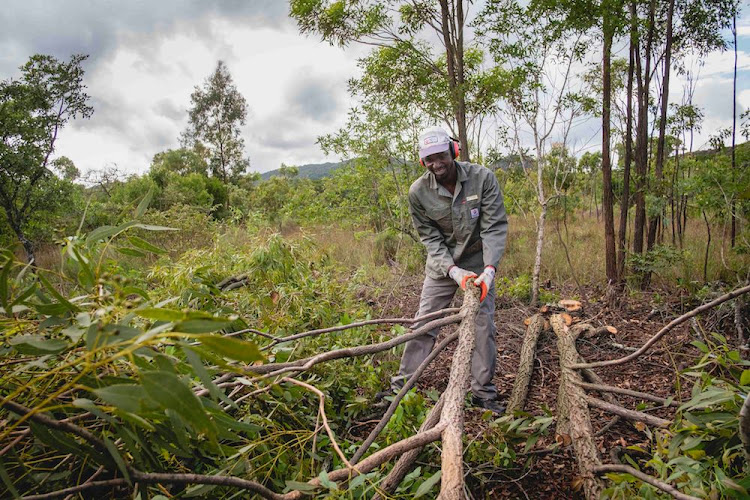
(484, 281)
(460, 276)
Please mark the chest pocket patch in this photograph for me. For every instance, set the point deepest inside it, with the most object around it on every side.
(474, 213)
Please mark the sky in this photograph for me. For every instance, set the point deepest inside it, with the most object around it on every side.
(146, 58)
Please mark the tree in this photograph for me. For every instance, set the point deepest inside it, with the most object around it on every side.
(66, 168)
(395, 27)
(217, 112)
(33, 109)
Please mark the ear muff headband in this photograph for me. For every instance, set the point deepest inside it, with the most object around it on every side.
(454, 148)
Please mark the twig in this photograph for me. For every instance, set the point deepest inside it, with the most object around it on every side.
(638, 416)
(626, 469)
(628, 392)
(56, 424)
(729, 296)
(322, 411)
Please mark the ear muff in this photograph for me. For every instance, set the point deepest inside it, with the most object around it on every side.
(454, 148)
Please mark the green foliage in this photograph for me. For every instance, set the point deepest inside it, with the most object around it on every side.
(32, 111)
(520, 288)
(701, 453)
(132, 343)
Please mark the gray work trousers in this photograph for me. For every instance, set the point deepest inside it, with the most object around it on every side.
(437, 294)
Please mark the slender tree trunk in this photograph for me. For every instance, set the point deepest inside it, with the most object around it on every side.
(625, 203)
(734, 128)
(452, 31)
(644, 83)
(607, 195)
(655, 221)
(708, 245)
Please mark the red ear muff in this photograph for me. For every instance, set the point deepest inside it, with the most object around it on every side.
(455, 148)
(421, 162)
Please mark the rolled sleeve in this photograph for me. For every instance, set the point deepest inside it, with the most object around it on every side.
(494, 222)
(430, 236)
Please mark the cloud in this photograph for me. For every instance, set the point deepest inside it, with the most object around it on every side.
(168, 109)
(96, 28)
(314, 98)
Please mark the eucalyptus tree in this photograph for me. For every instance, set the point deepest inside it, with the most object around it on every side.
(33, 109)
(217, 112)
(403, 33)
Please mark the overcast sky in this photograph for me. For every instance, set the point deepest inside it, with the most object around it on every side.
(146, 57)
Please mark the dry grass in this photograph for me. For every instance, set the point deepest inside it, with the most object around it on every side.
(361, 252)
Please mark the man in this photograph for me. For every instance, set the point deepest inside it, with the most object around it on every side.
(458, 211)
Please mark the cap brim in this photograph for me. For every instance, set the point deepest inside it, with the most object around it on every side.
(432, 149)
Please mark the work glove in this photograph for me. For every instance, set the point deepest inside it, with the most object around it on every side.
(460, 276)
(485, 280)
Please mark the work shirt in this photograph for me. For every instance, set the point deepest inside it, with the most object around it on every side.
(467, 228)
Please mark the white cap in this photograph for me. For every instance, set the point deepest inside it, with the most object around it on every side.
(433, 140)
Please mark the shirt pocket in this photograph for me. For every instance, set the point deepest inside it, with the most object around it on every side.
(443, 218)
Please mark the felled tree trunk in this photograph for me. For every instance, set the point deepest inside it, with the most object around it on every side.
(526, 364)
(452, 480)
(574, 410)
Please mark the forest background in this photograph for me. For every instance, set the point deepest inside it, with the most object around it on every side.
(109, 281)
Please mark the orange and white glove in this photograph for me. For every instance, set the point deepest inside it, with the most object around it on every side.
(460, 276)
(485, 280)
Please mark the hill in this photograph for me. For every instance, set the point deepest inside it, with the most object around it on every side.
(309, 171)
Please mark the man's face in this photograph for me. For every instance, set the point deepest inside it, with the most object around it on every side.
(441, 165)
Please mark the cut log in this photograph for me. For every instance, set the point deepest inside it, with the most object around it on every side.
(452, 479)
(577, 410)
(570, 305)
(526, 365)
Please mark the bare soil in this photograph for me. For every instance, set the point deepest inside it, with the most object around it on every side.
(554, 474)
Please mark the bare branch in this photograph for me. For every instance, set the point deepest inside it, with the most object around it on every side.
(301, 365)
(638, 416)
(396, 400)
(394, 321)
(626, 469)
(628, 392)
(678, 321)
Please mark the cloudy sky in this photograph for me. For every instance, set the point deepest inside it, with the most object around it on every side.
(146, 57)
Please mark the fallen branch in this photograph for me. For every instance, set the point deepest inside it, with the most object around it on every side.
(369, 322)
(301, 365)
(397, 399)
(525, 365)
(678, 321)
(53, 423)
(637, 416)
(626, 469)
(405, 463)
(628, 392)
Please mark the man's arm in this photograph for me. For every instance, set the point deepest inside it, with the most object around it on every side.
(493, 227)
(430, 235)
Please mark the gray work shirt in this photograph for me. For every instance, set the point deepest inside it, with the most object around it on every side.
(467, 228)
